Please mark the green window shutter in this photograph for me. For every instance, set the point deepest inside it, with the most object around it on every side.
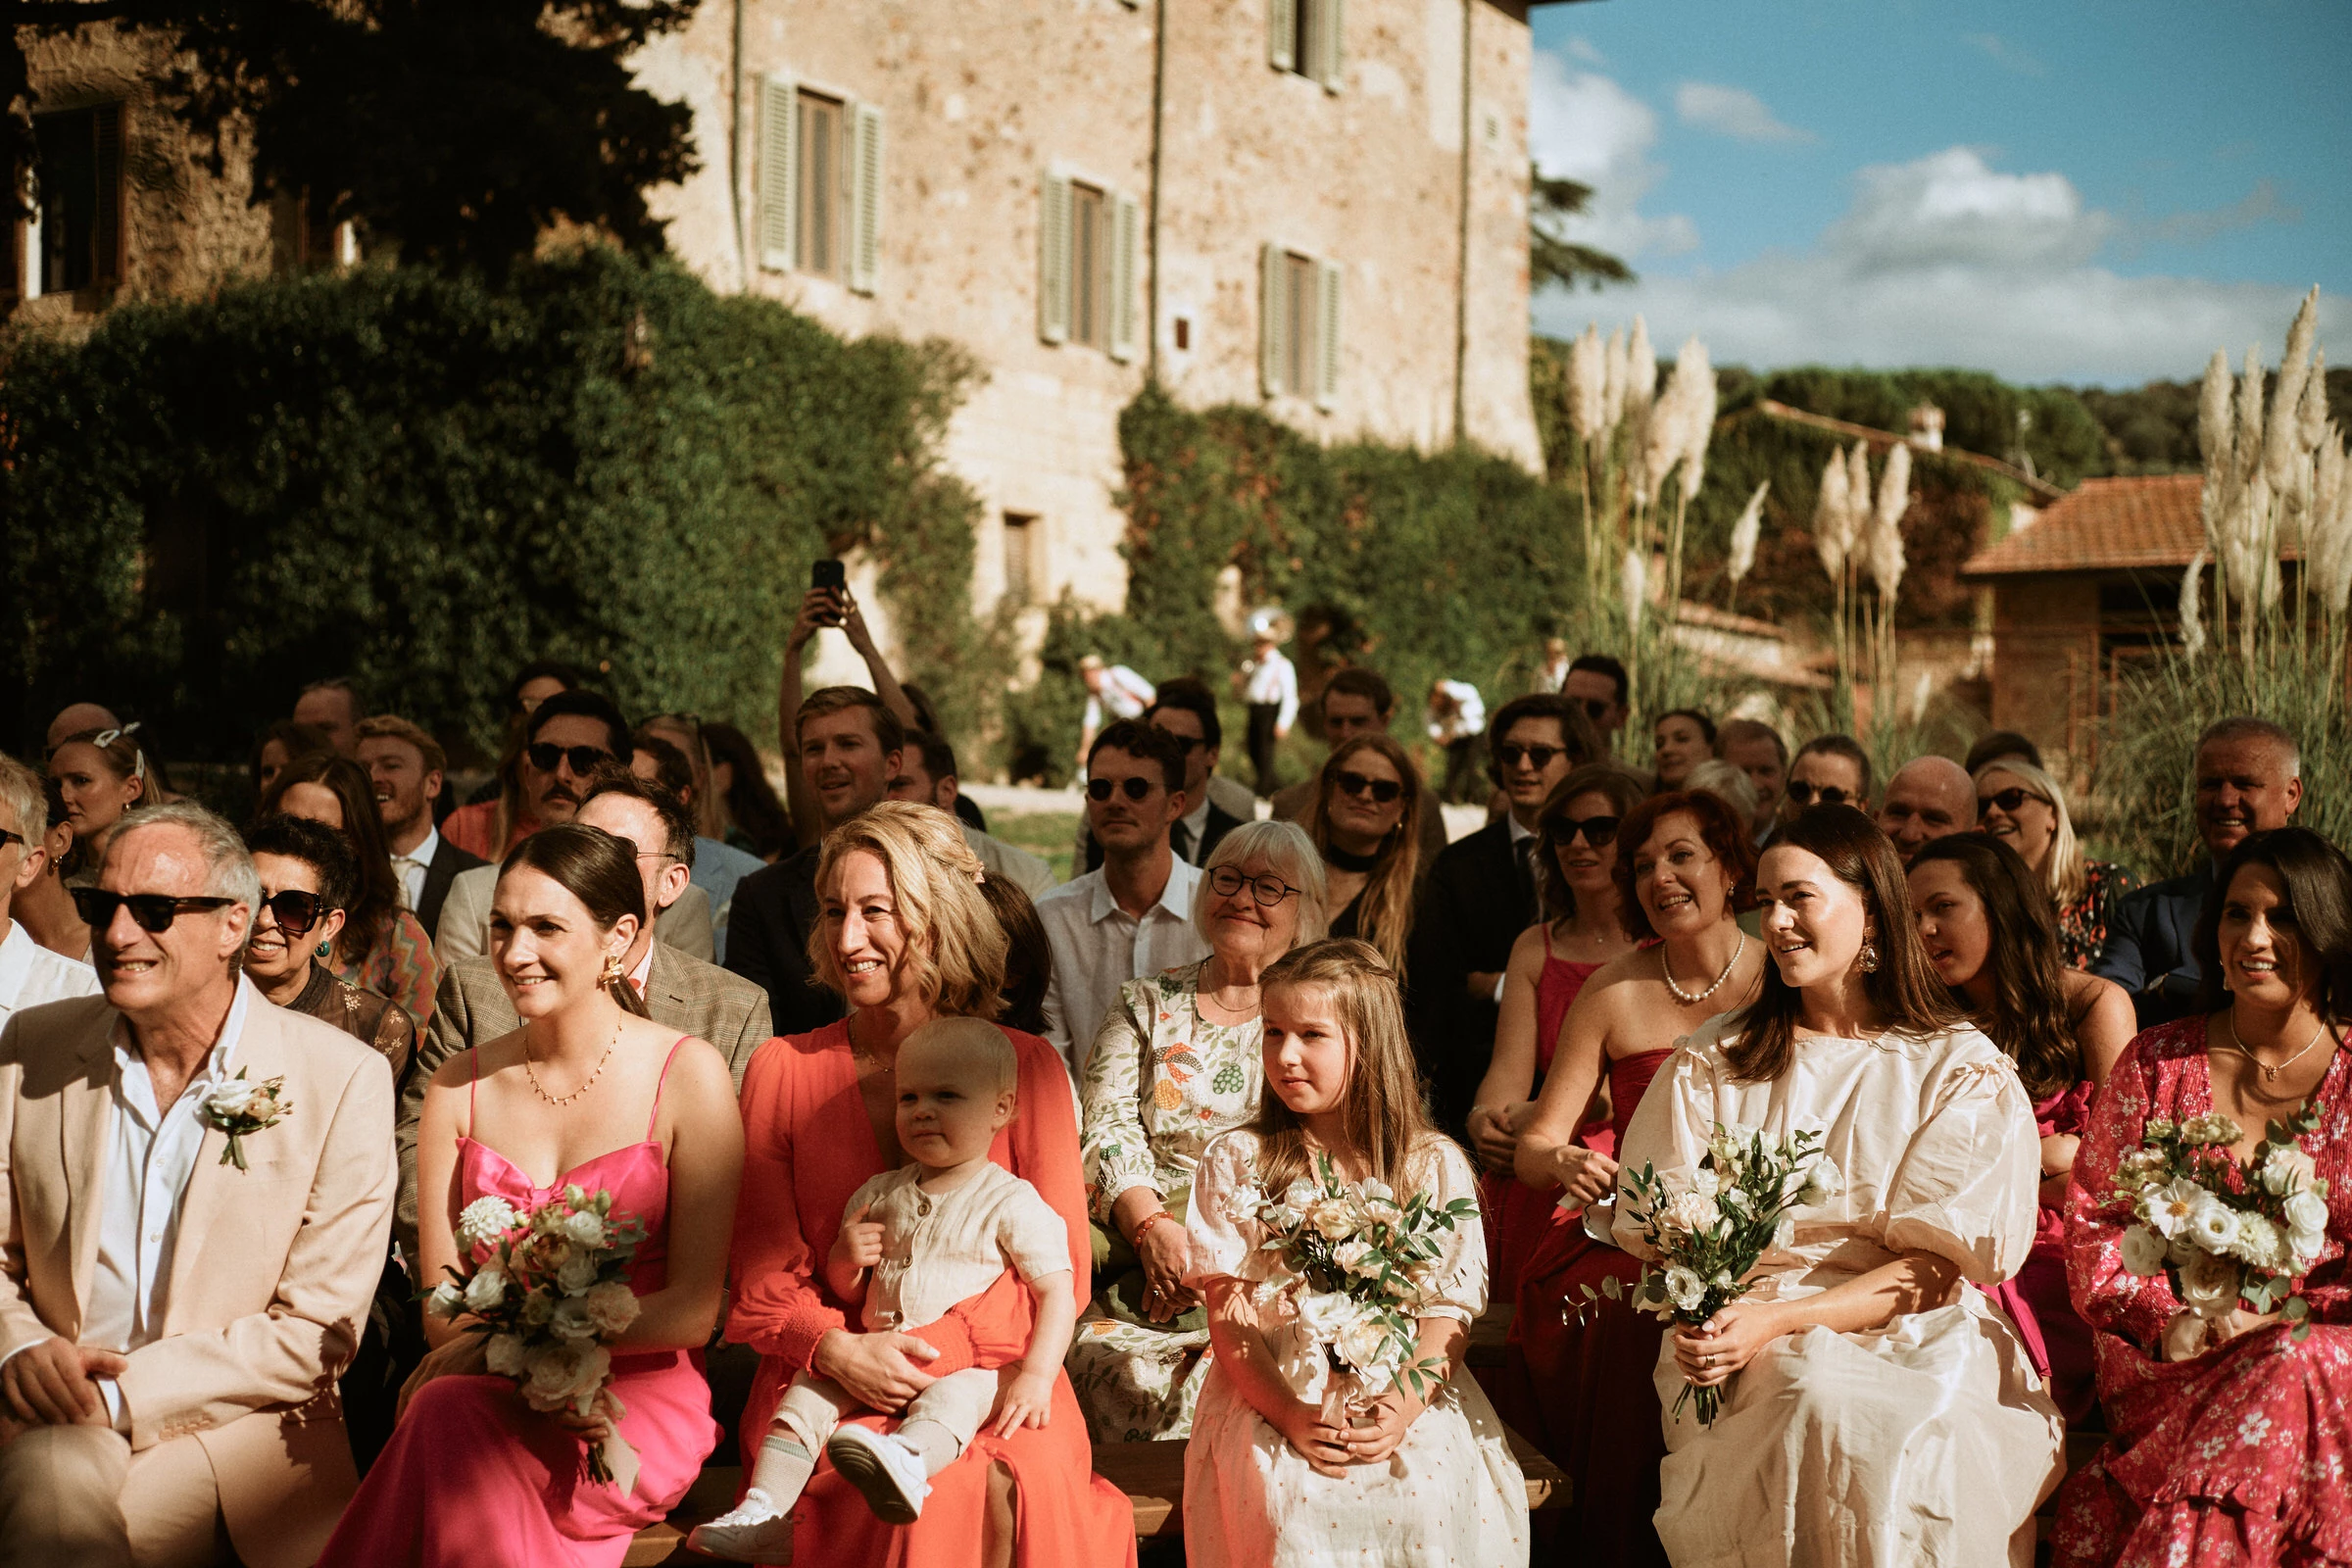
(1329, 31)
(865, 197)
(1327, 335)
(779, 171)
(1270, 322)
(1125, 220)
(1282, 33)
(1053, 259)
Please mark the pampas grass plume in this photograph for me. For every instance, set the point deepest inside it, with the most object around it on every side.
(1857, 493)
(1613, 387)
(1588, 379)
(1634, 584)
(1886, 531)
(2192, 606)
(1829, 518)
(1699, 415)
(1641, 372)
(2279, 443)
(2215, 433)
(2249, 416)
(1746, 530)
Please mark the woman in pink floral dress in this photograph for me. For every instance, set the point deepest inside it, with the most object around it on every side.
(2231, 1444)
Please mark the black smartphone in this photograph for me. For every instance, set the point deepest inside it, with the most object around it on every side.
(829, 574)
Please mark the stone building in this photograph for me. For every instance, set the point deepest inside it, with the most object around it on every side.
(1319, 205)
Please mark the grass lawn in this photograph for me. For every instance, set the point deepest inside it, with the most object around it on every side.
(1048, 835)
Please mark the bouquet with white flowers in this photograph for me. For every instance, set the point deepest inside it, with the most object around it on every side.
(2222, 1230)
(1741, 1205)
(1354, 1265)
(548, 1289)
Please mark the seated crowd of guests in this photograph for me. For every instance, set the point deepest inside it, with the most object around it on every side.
(940, 1165)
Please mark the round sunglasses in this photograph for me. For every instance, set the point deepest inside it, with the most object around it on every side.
(1382, 790)
(1134, 786)
(1804, 794)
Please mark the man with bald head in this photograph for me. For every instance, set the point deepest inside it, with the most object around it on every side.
(1927, 798)
(79, 719)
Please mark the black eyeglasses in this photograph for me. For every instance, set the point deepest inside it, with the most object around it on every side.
(1134, 785)
(1537, 758)
(1598, 831)
(1804, 794)
(1225, 882)
(154, 912)
(2008, 800)
(1382, 790)
(545, 755)
(296, 911)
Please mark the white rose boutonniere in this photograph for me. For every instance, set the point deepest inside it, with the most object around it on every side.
(240, 1108)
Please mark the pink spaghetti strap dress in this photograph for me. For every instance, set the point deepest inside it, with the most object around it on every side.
(1517, 1216)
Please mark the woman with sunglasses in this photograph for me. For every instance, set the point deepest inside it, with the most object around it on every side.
(2023, 806)
(381, 945)
(1680, 741)
(1577, 1372)
(102, 774)
(1365, 822)
(307, 878)
(1576, 877)
(1177, 1062)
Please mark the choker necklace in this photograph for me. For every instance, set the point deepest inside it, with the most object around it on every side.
(2270, 1074)
(1686, 997)
(1344, 861)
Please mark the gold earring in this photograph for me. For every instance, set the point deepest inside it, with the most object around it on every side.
(613, 973)
(1868, 959)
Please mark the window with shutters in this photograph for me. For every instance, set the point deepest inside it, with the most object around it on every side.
(821, 184)
(73, 239)
(1020, 541)
(1305, 37)
(1086, 266)
(1299, 325)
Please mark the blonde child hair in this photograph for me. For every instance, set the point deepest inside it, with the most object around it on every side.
(969, 1040)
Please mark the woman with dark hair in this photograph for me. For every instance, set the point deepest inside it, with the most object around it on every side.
(1854, 1351)
(1028, 954)
(588, 1092)
(754, 817)
(1680, 740)
(281, 742)
(1366, 821)
(1575, 1374)
(1986, 927)
(1583, 929)
(2229, 1443)
(306, 884)
(381, 946)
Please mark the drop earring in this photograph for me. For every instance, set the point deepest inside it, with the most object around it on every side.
(1867, 960)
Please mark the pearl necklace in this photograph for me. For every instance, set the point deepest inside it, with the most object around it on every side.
(532, 1073)
(2270, 1074)
(1687, 998)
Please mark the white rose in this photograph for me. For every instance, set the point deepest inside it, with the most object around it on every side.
(447, 1301)
(1302, 1194)
(1242, 1206)
(1361, 1258)
(566, 1374)
(2287, 1169)
(485, 1220)
(230, 1098)
(1285, 1217)
(611, 1308)
(577, 1273)
(2143, 1252)
(2171, 1206)
(1334, 1219)
(485, 1290)
(1377, 1190)
(1823, 1182)
(1783, 1233)
(1705, 1183)
(2210, 1128)
(585, 1228)
(571, 1320)
(2214, 1225)
(1362, 1342)
(1685, 1289)
(2306, 1212)
(2208, 1284)
(505, 1355)
(1324, 1313)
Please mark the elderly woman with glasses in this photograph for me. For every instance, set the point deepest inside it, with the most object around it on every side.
(2023, 806)
(1176, 1062)
(309, 880)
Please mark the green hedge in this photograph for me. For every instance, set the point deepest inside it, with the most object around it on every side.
(423, 483)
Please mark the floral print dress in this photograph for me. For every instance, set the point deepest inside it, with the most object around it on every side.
(2084, 924)
(1161, 1082)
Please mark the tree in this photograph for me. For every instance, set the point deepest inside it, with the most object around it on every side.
(1552, 259)
(459, 131)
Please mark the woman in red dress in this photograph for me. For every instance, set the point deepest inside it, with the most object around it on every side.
(1577, 1371)
(1576, 872)
(2231, 1446)
(906, 937)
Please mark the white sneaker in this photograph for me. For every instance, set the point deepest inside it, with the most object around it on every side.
(752, 1531)
(887, 1474)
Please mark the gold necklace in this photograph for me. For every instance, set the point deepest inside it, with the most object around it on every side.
(2270, 1074)
(539, 1089)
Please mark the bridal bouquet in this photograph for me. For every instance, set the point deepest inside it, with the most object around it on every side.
(2218, 1229)
(549, 1287)
(1739, 1206)
(1355, 1265)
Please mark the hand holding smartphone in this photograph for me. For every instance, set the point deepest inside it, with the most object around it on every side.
(829, 577)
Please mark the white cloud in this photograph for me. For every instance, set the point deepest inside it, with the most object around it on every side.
(1581, 50)
(1584, 126)
(1733, 111)
(1948, 261)
(2006, 55)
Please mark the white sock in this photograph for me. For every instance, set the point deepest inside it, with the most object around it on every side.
(782, 1469)
(932, 1441)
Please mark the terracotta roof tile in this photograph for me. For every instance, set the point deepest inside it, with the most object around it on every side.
(2104, 525)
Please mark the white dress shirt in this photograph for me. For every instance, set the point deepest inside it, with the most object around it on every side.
(1098, 947)
(1273, 680)
(31, 974)
(1124, 695)
(410, 868)
(1468, 717)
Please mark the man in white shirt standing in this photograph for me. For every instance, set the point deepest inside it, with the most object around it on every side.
(407, 765)
(1457, 718)
(1269, 684)
(1134, 916)
(196, 1188)
(29, 973)
(1113, 691)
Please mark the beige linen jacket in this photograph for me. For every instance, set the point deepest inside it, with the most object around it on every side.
(273, 1270)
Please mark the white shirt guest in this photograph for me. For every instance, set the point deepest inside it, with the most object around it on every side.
(29, 973)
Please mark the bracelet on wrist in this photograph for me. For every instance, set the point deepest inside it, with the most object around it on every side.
(1136, 1237)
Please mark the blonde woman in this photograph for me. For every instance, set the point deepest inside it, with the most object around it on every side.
(1175, 1064)
(1366, 824)
(2023, 806)
(102, 773)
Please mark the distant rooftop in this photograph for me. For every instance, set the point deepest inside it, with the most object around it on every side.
(2104, 525)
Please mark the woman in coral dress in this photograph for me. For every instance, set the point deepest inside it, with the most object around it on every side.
(1576, 1377)
(906, 937)
(592, 1093)
(2231, 1446)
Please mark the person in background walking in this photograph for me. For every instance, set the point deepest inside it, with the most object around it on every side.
(1112, 692)
(1269, 685)
(1552, 673)
(1458, 716)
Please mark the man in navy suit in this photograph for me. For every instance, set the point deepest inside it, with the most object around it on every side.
(2248, 780)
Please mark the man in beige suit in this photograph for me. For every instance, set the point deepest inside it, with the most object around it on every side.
(171, 1322)
(684, 993)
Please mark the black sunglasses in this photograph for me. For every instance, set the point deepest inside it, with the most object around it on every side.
(154, 912)
(1598, 831)
(1134, 785)
(545, 755)
(1595, 706)
(1804, 794)
(2008, 800)
(296, 910)
(7, 838)
(1225, 881)
(1382, 790)
(1537, 758)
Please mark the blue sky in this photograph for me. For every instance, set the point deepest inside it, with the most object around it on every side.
(2082, 190)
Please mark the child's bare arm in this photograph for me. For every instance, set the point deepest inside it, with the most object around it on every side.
(856, 1249)
(1027, 1399)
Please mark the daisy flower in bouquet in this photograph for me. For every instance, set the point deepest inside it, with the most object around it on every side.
(1354, 1264)
(2218, 1229)
(1741, 1204)
(548, 1286)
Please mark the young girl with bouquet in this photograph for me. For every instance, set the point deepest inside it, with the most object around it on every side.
(1285, 1467)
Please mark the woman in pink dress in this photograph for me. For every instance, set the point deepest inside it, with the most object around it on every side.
(905, 937)
(2230, 1441)
(1576, 874)
(1988, 931)
(1578, 1369)
(589, 1092)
